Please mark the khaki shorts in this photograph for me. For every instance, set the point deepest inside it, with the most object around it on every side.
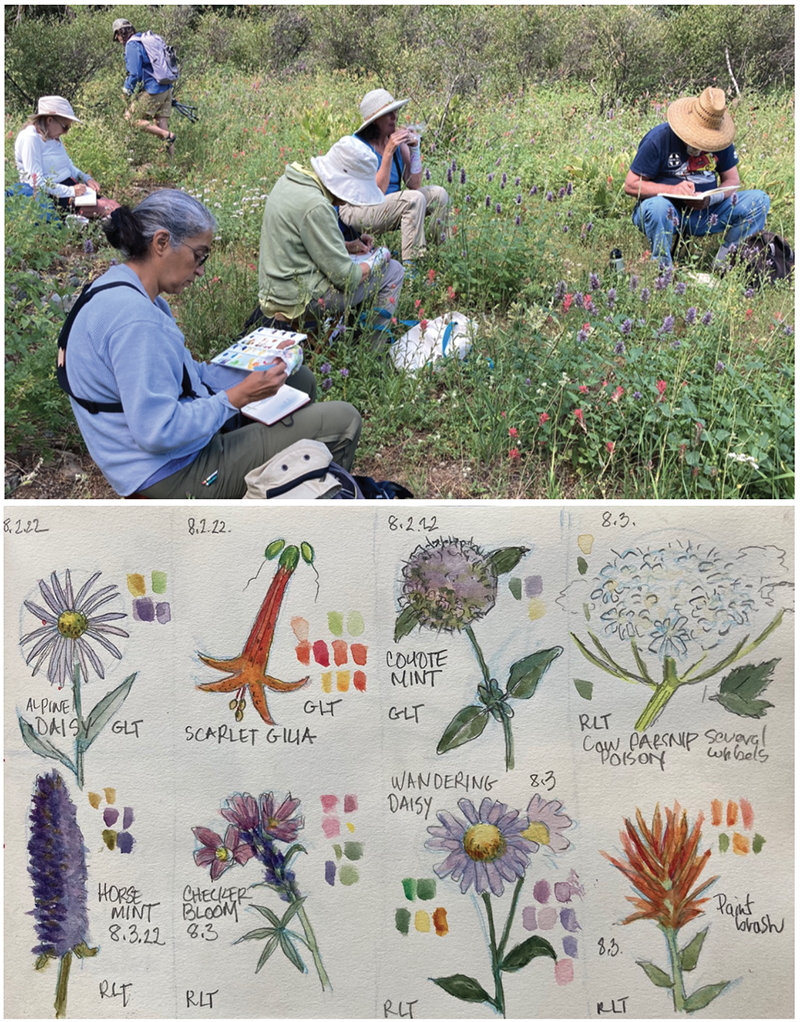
(154, 104)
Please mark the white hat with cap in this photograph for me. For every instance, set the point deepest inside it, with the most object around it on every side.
(55, 106)
(348, 170)
(377, 103)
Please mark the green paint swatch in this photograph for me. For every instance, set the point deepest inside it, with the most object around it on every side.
(758, 843)
(584, 688)
(159, 582)
(583, 566)
(515, 587)
(348, 875)
(426, 889)
(337, 851)
(353, 850)
(355, 623)
(410, 888)
(402, 918)
(724, 842)
(335, 622)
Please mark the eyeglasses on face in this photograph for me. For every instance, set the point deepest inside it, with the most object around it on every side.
(199, 256)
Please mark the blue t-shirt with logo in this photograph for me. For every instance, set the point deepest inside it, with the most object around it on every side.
(664, 158)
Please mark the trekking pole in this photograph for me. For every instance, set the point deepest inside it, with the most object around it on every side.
(189, 112)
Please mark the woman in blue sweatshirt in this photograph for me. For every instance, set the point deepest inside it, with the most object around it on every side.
(165, 438)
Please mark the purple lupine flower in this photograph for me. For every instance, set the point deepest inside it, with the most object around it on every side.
(625, 327)
(583, 337)
(58, 868)
(88, 247)
(788, 330)
(560, 291)
(611, 297)
(590, 307)
(712, 220)
(449, 175)
(504, 178)
(645, 295)
(637, 395)
(498, 161)
(672, 216)
(549, 196)
(112, 262)
(577, 299)
(569, 188)
(497, 208)
(619, 348)
(491, 177)
(734, 199)
(719, 367)
(707, 318)
(660, 283)
(325, 368)
(443, 236)
(427, 174)
(667, 325)
(566, 228)
(463, 176)
(502, 184)
(488, 201)
(691, 316)
(518, 200)
(562, 192)
(748, 292)
(517, 220)
(634, 282)
(679, 288)
(516, 182)
(533, 191)
(344, 373)
(453, 165)
(327, 383)
(668, 272)
(594, 282)
(675, 344)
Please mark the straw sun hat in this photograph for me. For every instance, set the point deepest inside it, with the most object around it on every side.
(377, 103)
(702, 121)
(348, 170)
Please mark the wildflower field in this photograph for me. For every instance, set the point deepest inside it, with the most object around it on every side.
(583, 382)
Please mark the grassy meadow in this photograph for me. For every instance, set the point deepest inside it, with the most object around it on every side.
(582, 382)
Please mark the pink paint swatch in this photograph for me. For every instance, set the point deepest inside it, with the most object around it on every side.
(330, 826)
(747, 813)
(329, 802)
(547, 918)
(321, 653)
(303, 651)
(564, 972)
(359, 653)
(563, 891)
(350, 803)
(359, 681)
(300, 628)
(339, 652)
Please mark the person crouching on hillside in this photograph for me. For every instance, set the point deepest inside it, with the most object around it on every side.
(304, 266)
(154, 108)
(683, 157)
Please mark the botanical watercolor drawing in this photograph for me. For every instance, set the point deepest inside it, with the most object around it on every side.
(447, 586)
(667, 615)
(664, 864)
(487, 846)
(61, 646)
(257, 829)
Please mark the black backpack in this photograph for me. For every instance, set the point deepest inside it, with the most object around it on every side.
(766, 258)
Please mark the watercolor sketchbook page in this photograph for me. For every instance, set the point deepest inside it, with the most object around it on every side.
(460, 762)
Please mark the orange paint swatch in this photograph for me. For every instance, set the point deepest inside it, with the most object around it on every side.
(741, 844)
(747, 813)
(358, 651)
(300, 628)
(342, 681)
(327, 677)
(303, 650)
(716, 812)
(733, 813)
(136, 586)
(339, 652)
(440, 922)
(359, 681)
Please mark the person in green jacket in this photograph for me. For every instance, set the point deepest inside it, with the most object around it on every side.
(304, 267)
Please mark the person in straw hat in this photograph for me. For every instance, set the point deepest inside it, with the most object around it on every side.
(397, 149)
(304, 266)
(43, 163)
(677, 161)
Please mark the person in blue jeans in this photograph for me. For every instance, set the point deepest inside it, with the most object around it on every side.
(692, 153)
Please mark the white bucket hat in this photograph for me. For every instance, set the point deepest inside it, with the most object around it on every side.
(298, 473)
(348, 170)
(55, 106)
(377, 103)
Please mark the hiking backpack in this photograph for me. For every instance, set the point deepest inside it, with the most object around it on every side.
(766, 257)
(163, 58)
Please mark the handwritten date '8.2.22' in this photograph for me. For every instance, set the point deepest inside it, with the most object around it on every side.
(411, 524)
(21, 526)
(206, 526)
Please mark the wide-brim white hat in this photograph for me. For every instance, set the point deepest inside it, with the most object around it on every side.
(348, 170)
(703, 121)
(377, 103)
(55, 106)
(300, 472)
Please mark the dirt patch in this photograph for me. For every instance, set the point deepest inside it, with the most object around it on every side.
(71, 476)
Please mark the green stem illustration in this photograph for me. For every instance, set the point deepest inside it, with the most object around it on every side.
(79, 748)
(507, 928)
(507, 734)
(311, 941)
(62, 984)
(478, 654)
(678, 990)
(662, 695)
(499, 995)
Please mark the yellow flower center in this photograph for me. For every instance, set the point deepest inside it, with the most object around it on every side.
(72, 624)
(273, 822)
(538, 832)
(222, 853)
(484, 843)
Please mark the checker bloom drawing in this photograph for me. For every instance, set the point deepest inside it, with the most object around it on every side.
(448, 585)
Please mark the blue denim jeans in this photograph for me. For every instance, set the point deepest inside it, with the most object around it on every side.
(656, 218)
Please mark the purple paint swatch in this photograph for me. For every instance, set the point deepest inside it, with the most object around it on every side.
(127, 817)
(143, 609)
(563, 891)
(350, 803)
(541, 891)
(533, 585)
(330, 872)
(163, 613)
(529, 917)
(547, 918)
(125, 843)
(569, 920)
(110, 817)
(570, 945)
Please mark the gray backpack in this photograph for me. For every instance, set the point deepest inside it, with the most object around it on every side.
(163, 58)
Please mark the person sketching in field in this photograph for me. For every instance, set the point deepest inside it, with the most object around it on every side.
(692, 153)
(400, 164)
(153, 108)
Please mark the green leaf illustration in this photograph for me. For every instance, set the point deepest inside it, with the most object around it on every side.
(466, 725)
(291, 952)
(41, 746)
(704, 996)
(691, 953)
(292, 851)
(260, 934)
(292, 911)
(584, 688)
(656, 975)
(43, 960)
(406, 622)
(526, 674)
(269, 948)
(506, 559)
(268, 914)
(519, 956)
(583, 566)
(739, 689)
(463, 987)
(83, 950)
(105, 710)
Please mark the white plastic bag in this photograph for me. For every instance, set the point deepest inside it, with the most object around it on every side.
(451, 334)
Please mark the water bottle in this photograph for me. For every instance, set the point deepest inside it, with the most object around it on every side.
(615, 261)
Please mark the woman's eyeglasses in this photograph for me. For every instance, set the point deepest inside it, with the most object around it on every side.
(199, 256)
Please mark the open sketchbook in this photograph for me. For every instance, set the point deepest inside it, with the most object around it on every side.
(399, 762)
